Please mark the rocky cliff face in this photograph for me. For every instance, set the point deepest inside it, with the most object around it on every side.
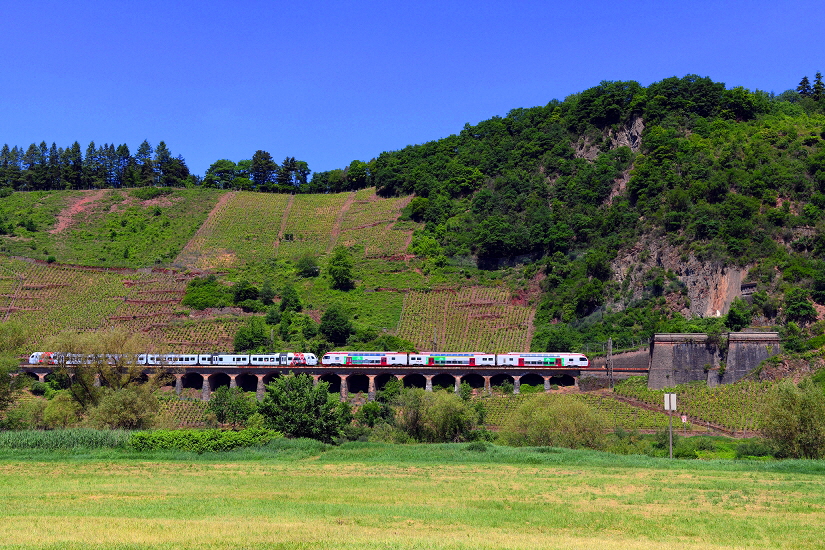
(699, 289)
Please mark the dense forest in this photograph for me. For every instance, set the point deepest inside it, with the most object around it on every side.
(726, 176)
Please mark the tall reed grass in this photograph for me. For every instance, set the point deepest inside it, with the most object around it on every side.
(77, 438)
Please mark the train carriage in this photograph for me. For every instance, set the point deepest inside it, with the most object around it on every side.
(463, 359)
(366, 358)
(545, 360)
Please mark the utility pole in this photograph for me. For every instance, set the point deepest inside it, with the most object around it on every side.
(610, 361)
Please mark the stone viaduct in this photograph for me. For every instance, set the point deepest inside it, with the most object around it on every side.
(350, 379)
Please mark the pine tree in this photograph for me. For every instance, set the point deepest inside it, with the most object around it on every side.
(819, 88)
(804, 88)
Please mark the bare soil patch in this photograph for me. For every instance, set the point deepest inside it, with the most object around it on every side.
(66, 218)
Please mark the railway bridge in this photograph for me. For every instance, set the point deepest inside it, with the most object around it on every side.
(349, 379)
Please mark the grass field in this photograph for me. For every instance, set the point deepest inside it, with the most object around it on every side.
(302, 495)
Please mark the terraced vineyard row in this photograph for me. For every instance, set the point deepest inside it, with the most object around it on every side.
(244, 226)
(213, 335)
(736, 407)
(473, 318)
(615, 413)
(182, 414)
(49, 299)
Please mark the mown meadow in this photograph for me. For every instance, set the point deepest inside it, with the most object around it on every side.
(299, 493)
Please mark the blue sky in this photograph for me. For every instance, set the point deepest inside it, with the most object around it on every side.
(330, 82)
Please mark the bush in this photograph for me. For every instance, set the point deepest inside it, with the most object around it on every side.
(232, 405)
(794, 419)
(295, 406)
(558, 421)
(433, 417)
(753, 447)
(131, 408)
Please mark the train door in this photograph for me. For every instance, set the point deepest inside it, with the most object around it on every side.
(383, 360)
(521, 361)
(472, 361)
(431, 360)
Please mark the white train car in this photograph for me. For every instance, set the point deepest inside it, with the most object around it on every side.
(283, 359)
(168, 359)
(460, 359)
(545, 360)
(223, 360)
(366, 358)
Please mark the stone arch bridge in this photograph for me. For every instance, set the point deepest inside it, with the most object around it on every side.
(347, 379)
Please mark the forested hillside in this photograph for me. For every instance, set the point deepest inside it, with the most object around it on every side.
(617, 212)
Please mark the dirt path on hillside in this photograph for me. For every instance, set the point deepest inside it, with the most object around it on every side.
(339, 220)
(282, 229)
(66, 218)
(191, 251)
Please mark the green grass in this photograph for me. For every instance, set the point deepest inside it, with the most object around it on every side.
(296, 494)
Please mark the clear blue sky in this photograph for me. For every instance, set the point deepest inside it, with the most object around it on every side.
(329, 82)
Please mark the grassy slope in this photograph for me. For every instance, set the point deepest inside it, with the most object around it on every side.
(109, 228)
(391, 496)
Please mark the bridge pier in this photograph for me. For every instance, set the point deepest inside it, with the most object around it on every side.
(178, 383)
(428, 384)
(371, 388)
(457, 384)
(205, 393)
(516, 385)
(487, 388)
(344, 388)
(232, 382)
(260, 390)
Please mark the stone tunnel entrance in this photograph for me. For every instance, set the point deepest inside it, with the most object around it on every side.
(415, 381)
(563, 380)
(533, 379)
(192, 380)
(476, 381)
(444, 381)
(382, 379)
(247, 382)
(358, 383)
(217, 380)
(334, 382)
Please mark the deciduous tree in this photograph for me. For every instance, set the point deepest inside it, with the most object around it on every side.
(297, 407)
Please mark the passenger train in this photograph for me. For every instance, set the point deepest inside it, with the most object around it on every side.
(332, 358)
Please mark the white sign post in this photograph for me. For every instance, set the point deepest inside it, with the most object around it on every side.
(670, 406)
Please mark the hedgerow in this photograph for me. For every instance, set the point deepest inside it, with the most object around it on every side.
(200, 441)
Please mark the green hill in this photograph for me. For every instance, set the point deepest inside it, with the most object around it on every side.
(618, 212)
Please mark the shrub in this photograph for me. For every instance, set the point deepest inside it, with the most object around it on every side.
(794, 419)
(232, 405)
(435, 416)
(754, 447)
(296, 407)
(131, 408)
(559, 421)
